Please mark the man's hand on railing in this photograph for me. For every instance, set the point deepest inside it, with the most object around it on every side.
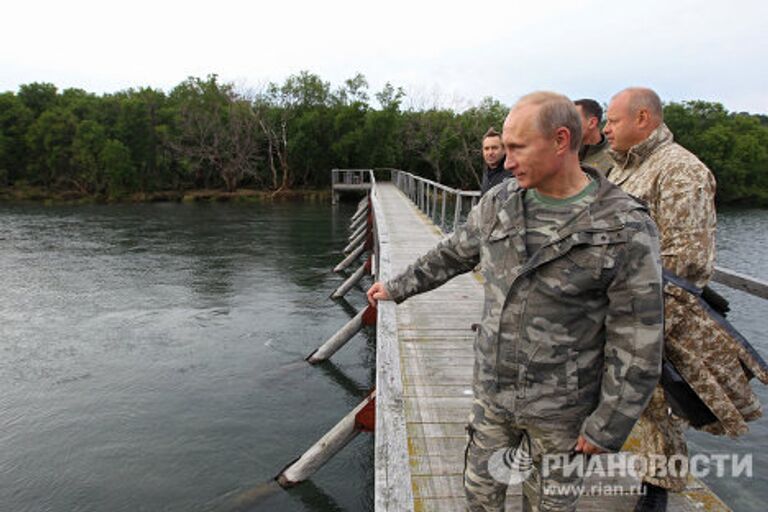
(376, 293)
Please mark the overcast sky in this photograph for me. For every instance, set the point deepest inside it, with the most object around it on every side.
(454, 53)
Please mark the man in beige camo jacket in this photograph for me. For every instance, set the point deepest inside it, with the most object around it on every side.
(680, 193)
(568, 351)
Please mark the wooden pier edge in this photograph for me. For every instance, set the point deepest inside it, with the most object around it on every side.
(392, 467)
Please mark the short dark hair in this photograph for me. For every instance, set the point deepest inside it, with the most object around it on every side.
(591, 108)
(491, 133)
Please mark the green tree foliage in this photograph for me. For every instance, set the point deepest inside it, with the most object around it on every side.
(49, 140)
(15, 119)
(38, 97)
(87, 146)
(734, 146)
(119, 171)
(208, 134)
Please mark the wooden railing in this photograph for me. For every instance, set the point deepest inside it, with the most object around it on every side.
(433, 199)
(351, 176)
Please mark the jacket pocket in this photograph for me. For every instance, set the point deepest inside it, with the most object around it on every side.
(554, 372)
(497, 255)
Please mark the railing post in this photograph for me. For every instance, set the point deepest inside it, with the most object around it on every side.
(457, 213)
(420, 187)
(434, 200)
(442, 216)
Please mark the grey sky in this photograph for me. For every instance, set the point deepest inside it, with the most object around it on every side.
(449, 53)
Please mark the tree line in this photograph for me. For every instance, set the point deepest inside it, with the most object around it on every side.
(209, 134)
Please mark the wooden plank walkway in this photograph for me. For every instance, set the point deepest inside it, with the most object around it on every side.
(424, 375)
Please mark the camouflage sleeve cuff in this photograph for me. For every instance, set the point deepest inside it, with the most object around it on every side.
(396, 290)
(605, 442)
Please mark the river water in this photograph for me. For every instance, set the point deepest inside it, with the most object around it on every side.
(151, 357)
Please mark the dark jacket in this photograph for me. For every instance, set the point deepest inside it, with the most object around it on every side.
(597, 156)
(492, 177)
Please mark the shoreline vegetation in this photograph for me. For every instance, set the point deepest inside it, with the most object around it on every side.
(211, 141)
(70, 197)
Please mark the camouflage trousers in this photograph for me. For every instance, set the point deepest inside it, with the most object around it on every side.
(493, 436)
(657, 436)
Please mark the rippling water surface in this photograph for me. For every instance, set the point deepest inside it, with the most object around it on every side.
(151, 357)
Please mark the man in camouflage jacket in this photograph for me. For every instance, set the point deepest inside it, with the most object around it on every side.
(680, 193)
(569, 347)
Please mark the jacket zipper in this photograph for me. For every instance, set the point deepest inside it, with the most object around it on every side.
(520, 383)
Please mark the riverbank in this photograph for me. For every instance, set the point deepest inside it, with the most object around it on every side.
(40, 195)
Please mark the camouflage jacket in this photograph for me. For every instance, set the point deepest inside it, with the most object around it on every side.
(680, 192)
(596, 155)
(572, 332)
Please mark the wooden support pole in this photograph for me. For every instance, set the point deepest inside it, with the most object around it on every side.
(342, 336)
(359, 230)
(351, 257)
(354, 243)
(352, 280)
(357, 222)
(325, 448)
(360, 212)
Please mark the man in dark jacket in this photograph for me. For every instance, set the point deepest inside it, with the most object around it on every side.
(594, 145)
(493, 156)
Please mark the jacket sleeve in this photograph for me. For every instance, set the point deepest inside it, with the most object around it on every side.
(685, 215)
(633, 341)
(457, 254)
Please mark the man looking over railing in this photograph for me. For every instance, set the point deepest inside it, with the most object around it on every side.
(568, 350)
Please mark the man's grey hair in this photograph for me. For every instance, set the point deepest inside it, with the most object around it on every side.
(644, 98)
(556, 111)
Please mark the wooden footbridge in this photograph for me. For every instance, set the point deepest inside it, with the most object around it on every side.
(424, 360)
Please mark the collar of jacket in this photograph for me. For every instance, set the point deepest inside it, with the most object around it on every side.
(590, 149)
(498, 168)
(606, 213)
(637, 154)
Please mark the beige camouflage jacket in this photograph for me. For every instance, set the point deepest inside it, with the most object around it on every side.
(680, 192)
(571, 333)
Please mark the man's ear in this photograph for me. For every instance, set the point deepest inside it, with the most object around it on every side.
(592, 123)
(643, 118)
(562, 139)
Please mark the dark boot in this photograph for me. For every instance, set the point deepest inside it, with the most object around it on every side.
(654, 499)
